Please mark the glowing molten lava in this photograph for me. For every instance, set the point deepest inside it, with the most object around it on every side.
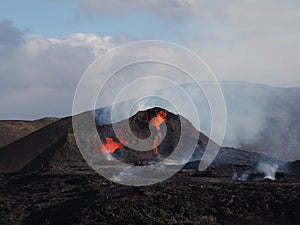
(159, 119)
(155, 145)
(110, 146)
(156, 122)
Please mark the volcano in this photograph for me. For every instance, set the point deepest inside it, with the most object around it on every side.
(141, 126)
(46, 180)
(54, 146)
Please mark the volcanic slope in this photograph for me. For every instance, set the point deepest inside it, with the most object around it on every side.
(12, 130)
(54, 146)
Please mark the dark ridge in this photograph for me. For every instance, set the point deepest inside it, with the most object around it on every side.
(17, 155)
(12, 130)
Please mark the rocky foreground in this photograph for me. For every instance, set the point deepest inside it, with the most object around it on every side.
(189, 197)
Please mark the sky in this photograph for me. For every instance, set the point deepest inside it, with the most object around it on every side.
(55, 18)
(45, 46)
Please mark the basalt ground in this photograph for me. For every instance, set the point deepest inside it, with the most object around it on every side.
(189, 197)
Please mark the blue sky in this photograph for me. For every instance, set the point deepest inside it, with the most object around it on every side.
(48, 18)
(58, 18)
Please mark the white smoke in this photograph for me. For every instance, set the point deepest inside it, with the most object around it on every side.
(248, 40)
(241, 177)
(108, 157)
(235, 175)
(268, 169)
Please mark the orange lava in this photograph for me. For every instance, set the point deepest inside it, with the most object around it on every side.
(110, 146)
(155, 146)
(156, 122)
(159, 119)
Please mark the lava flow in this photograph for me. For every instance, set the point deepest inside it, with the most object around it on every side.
(155, 145)
(156, 122)
(110, 146)
(159, 119)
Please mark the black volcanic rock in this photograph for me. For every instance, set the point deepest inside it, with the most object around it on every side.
(87, 198)
(292, 167)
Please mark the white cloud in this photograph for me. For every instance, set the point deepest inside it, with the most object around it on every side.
(52, 62)
(39, 74)
(91, 41)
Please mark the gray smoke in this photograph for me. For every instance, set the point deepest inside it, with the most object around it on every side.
(259, 117)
